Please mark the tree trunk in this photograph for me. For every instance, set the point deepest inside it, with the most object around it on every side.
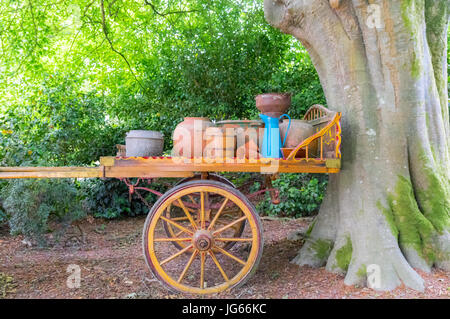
(383, 65)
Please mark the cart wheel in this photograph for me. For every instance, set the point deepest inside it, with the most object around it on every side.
(203, 266)
(178, 214)
(211, 176)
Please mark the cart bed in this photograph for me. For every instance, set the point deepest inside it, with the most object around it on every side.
(326, 140)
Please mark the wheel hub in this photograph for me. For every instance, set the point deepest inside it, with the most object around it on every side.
(203, 240)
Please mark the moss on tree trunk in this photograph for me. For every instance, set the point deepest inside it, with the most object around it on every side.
(383, 65)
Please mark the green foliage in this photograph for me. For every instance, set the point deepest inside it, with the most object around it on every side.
(3, 216)
(31, 204)
(146, 71)
(74, 80)
(61, 127)
(300, 195)
(110, 198)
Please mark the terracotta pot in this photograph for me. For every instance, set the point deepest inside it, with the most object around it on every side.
(298, 132)
(220, 143)
(248, 134)
(248, 150)
(121, 150)
(188, 137)
(273, 104)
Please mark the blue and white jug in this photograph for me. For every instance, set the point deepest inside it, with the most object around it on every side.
(271, 145)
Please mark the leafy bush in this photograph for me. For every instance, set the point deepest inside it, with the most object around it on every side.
(32, 203)
(300, 195)
(109, 198)
(62, 126)
(3, 216)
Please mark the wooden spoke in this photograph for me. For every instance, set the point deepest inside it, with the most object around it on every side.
(179, 233)
(182, 251)
(186, 268)
(218, 265)
(188, 215)
(223, 223)
(202, 210)
(175, 219)
(192, 199)
(176, 225)
(172, 239)
(202, 270)
(188, 208)
(231, 212)
(230, 225)
(207, 208)
(233, 239)
(170, 232)
(218, 214)
(224, 220)
(226, 253)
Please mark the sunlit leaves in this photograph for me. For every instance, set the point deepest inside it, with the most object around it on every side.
(171, 58)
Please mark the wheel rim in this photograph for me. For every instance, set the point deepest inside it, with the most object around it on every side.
(214, 177)
(203, 265)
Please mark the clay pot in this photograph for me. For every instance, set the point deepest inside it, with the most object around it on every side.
(220, 144)
(249, 150)
(188, 137)
(273, 104)
(298, 132)
(121, 150)
(248, 134)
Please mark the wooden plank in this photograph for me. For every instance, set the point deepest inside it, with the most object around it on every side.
(54, 172)
(107, 160)
(165, 165)
(333, 163)
(171, 167)
(144, 172)
(47, 169)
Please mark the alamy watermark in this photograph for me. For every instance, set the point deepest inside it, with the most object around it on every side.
(74, 278)
(373, 276)
(374, 16)
(221, 145)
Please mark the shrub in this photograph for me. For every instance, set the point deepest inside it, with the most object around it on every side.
(32, 203)
(300, 195)
(62, 126)
(109, 198)
(3, 216)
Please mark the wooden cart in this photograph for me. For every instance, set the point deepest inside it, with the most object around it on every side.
(203, 235)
